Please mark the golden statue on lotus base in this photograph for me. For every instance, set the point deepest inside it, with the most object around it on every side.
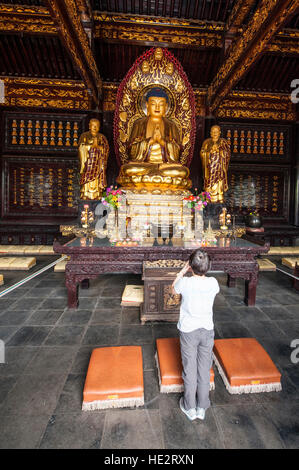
(154, 150)
(154, 126)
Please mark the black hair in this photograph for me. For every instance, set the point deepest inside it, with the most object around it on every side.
(157, 92)
(199, 262)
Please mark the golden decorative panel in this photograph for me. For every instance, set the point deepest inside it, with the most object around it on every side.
(46, 93)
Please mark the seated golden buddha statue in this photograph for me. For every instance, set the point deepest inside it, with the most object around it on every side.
(154, 150)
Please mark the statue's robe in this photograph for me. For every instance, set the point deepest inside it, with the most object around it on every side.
(93, 165)
(140, 148)
(215, 166)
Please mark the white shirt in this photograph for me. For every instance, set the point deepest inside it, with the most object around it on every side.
(198, 294)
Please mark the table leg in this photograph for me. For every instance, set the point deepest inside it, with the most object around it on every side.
(72, 291)
(85, 284)
(231, 281)
(72, 297)
(250, 290)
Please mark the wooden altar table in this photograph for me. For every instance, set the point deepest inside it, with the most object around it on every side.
(238, 260)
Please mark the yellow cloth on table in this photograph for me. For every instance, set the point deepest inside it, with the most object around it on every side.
(290, 262)
(266, 265)
(132, 296)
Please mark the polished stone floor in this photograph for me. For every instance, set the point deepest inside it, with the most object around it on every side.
(47, 348)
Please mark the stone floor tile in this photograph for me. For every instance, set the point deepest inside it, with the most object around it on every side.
(16, 359)
(14, 317)
(53, 303)
(180, 433)
(67, 335)
(247, 427)
(44, 317)
(135, 334)
(6, 384)
(21, 432)
(30, 336)
(233, 330)
(71, 397)
(286, 420)
(261, 329)
(101, 335)
(75, 317)
(86, 430)
(140, 429)
(81, 360)
(26, 304)
(108, 303)
(33, 396)
(130, 315)
(105, 316)
(51, 360)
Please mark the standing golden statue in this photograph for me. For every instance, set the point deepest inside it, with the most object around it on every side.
(154, 147)
(215, 156)
(93, 155)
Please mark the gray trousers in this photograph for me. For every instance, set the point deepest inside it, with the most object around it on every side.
(196, 352)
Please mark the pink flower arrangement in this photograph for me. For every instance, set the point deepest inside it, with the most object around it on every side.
(111, 197)
(197, 201)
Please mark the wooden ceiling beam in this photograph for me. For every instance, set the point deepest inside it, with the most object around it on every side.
(45, 93)
(26, 19)
(286, 42)
(238, 14)
(268, 18)
(235, 20)
(67, 18)
(165, 31)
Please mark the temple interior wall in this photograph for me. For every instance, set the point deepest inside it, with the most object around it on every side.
(39, 168)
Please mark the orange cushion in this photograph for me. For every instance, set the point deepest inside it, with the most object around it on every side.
(114, 373)
(170, 362)
(245, 362)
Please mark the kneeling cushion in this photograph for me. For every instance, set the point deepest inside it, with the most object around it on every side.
(114, 378)
(266, 265)
(290, 262)
(245, 366)
(169, 364)
(132, 296)
(22, 263)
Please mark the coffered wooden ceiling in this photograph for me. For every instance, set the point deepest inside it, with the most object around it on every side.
(223, 45)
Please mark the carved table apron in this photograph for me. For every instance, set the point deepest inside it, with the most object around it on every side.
(87, 262)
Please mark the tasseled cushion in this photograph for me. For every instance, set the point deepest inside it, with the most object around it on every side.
(245, 366)
(169, 364)
(114, 378)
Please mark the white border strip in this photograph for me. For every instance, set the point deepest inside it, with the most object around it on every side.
(32, 276)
